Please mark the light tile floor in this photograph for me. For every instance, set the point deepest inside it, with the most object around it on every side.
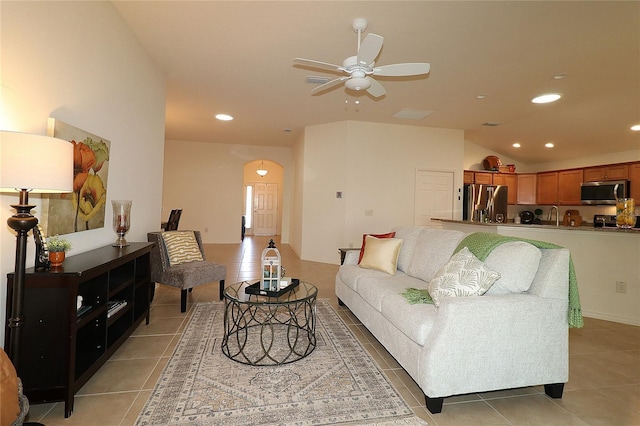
(603, 388)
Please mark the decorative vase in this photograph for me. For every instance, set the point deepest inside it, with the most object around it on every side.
(121, 220)
(625, 213)
(56, 258)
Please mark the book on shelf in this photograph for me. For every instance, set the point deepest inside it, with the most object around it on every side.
(114, 306)
(82, 310)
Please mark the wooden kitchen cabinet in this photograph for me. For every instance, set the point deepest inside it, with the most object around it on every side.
(569, 186)
(608, 172)
(634, 181)
(526, 192)
(468, 177)
(511, 181)
(62, 346)
(484, 178)
(547, 188)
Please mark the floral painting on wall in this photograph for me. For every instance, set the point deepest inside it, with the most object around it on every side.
(84, 208)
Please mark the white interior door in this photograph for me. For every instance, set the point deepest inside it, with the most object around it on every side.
(433, 196)
(265, 208)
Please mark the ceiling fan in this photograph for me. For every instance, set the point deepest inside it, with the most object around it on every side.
(361, 68)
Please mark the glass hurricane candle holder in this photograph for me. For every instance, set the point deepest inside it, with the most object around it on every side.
(625, 213)
(121, 220)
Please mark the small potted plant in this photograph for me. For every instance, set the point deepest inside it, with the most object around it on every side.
(57, 248)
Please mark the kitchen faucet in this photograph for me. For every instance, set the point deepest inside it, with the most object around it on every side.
(557, 217)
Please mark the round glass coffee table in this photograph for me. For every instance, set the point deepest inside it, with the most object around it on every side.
(269, 330)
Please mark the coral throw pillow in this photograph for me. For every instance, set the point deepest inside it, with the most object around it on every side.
(364, 241)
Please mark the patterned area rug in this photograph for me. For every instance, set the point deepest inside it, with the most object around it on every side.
(338, 383)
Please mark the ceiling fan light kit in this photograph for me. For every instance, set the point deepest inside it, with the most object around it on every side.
(358, 83)
(361, 67)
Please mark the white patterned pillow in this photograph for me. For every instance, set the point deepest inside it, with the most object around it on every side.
(182, 247)
(463, 275)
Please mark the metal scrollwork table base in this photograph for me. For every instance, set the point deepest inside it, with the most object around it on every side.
(265, 331)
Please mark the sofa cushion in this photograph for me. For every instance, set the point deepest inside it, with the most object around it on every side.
(182, 247)
(517, 262)
(351, 275)
(374, 290)
(381, 254)
(409, 236)
(463, 275)
(414, 321)
(433, 249)
(364, 241)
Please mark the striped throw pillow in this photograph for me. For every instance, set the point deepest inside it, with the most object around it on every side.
(182, 247)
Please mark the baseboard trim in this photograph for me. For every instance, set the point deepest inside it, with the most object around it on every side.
(613, 318)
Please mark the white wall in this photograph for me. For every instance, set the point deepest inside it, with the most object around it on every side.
(78, 62)
(577, 162)
(474, 154)
(295, 228)
(205, 180)
(374, 165)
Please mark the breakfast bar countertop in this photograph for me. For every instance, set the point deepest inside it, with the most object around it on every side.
(547, 226)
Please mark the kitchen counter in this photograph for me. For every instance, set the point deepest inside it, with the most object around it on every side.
(546, 226)
(605, 259)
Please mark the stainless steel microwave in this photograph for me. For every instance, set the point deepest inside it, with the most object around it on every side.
(606, 192)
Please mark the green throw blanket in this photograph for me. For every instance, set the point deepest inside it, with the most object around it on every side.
(481, 244)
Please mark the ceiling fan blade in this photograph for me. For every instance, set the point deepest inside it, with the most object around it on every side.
(329, 84)
(369, 49)
(318, 64)
(400, 70)
(376, 90)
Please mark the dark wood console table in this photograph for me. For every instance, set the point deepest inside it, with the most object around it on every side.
(63, 346)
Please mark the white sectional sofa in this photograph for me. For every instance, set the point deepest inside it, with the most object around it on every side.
(515, 335)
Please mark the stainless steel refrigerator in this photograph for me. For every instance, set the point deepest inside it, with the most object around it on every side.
(484, 201)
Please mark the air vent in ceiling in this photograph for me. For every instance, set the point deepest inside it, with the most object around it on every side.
(412, 114)
(491, 124)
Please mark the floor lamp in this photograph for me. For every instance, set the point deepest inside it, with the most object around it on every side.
(29, 163)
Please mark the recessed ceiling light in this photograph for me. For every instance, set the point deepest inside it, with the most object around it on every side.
(481, 96)
(636, 127)
(516, 145)
(224, 117)
(549, 145)
(546, 98)
(560, 76)
(491, 123)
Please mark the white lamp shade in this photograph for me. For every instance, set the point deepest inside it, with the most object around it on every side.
(41, 164)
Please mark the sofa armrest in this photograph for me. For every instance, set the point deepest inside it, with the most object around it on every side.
(510, 339)
(351, 257)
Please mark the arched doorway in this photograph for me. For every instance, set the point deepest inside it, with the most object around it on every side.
(263, 198)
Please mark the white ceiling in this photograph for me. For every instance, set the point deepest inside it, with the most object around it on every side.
(236, 57)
